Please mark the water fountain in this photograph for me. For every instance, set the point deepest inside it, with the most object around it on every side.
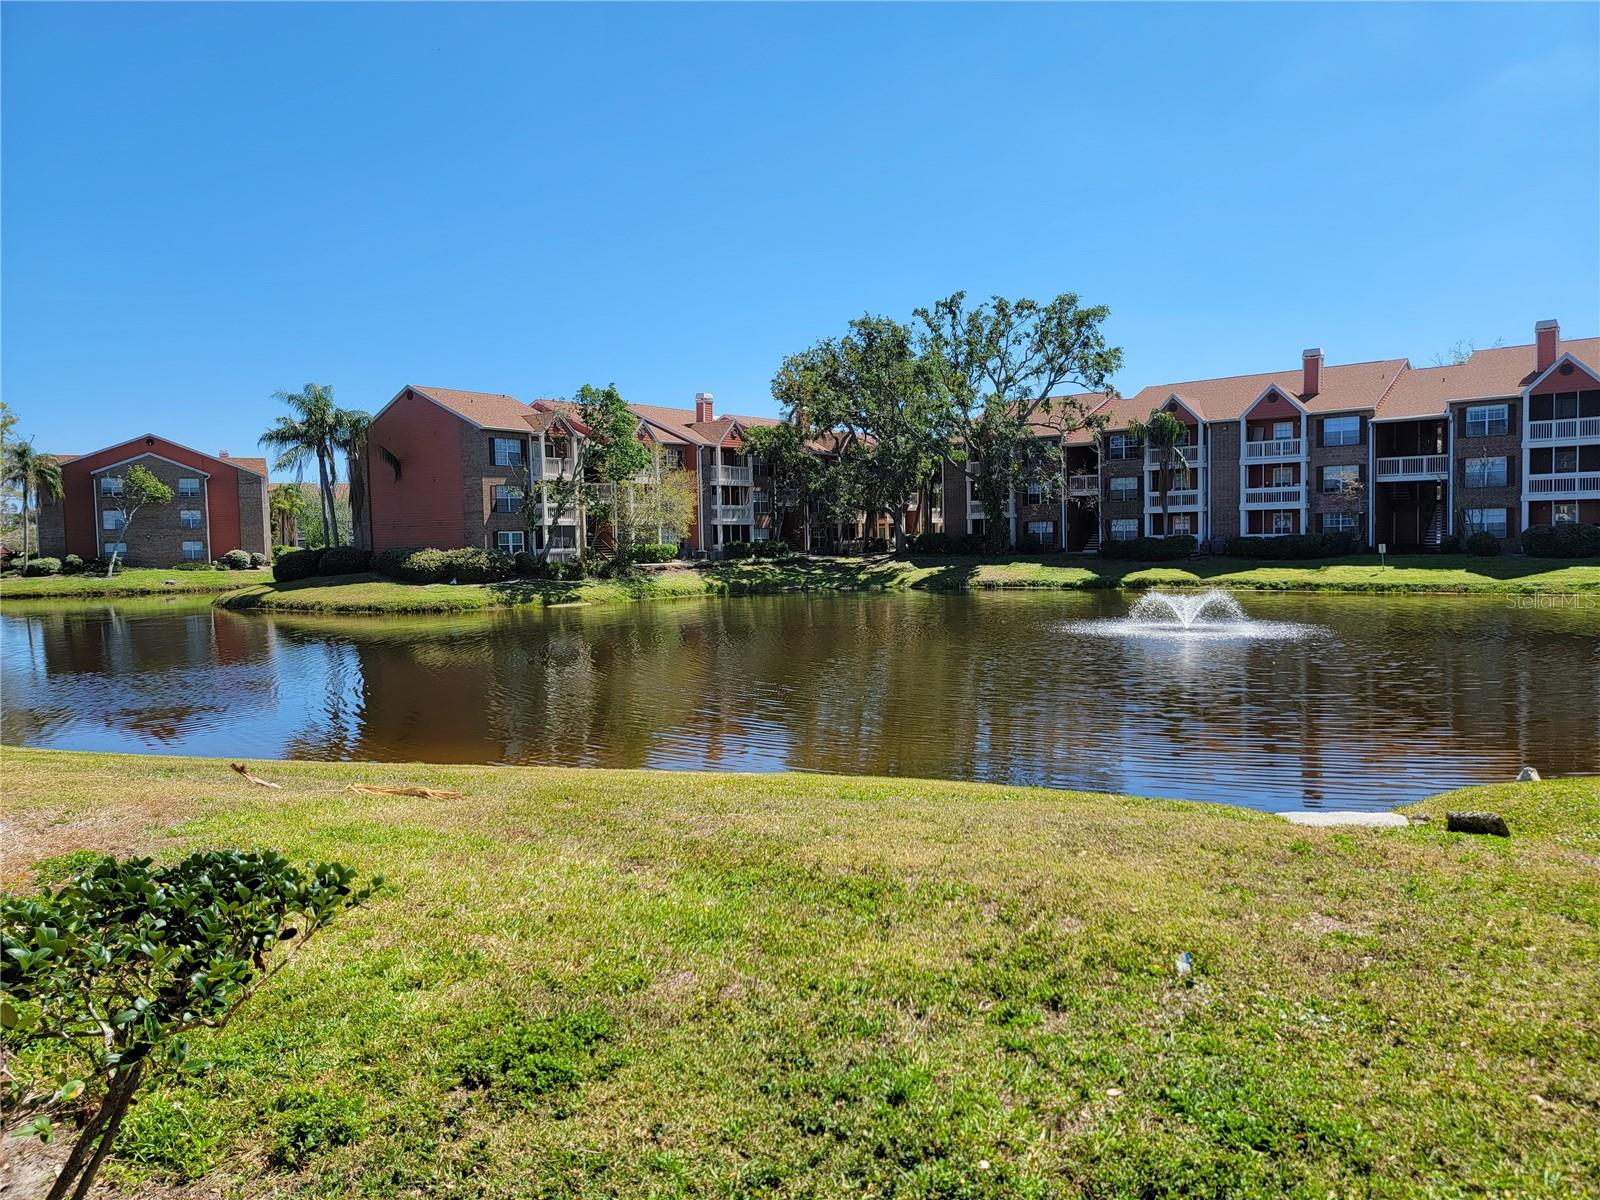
(1213, 615)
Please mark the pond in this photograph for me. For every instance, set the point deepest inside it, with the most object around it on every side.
(1339, 701)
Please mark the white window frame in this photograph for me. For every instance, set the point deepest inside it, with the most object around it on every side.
(1283, 476)
(1038, 493)
(190, 518)
(511, 541)
(1489, 416)
(1124, 487)
(512, 493)
(1564, 512)
(186, 491)
(194, 551)
(1482, 470)
(111, 485)
(1282, 521)
(1284, 431)
(1478, 521)
(507, 452)
(115, 548)
(1335, 429)
(1182, 524)
(1346, 472)
(1338, 522)
(1124, 529)
(1041, 531)
(111, 519)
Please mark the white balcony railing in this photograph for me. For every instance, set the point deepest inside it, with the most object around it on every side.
(1564, 430)
(1186, 498)
(1413, 466)
(1273, 497)
(556, 468)
(1571, 484)
(1187, 454)
(730, 476)
(1083, 485)
(1277, 448)
(732, 514)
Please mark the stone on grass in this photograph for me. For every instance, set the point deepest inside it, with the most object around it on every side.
(1527, 775)
(1372, 820)
(1477, 822)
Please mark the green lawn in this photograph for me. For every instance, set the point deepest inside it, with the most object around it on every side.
(1419, 573)
(135, 581)
(633, 984)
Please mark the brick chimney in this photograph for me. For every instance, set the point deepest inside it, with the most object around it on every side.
(1311, 372)
(1546, 344)
(702, 406)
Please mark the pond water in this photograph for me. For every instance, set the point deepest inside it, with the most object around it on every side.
(1314, 701)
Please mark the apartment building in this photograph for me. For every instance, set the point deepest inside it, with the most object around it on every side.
(1396, 454)
(219, 504)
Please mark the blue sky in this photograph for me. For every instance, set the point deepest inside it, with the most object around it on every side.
(204, 203)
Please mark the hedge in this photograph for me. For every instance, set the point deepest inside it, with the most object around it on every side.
(1150, 549)
(1294, 545)
(654, 552)
(297, 564)
(1562, 541)
(236, 560)
(42, 566)
(428, 565)
(344, 560)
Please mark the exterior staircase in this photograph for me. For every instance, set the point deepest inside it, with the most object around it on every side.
(1092, 546)
(1434, 535)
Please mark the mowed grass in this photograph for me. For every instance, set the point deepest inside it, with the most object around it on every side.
(632, 984)
(135, 581)
(1417, 573)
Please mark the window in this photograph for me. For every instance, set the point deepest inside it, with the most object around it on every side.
(1038, 493)
(1283, 477)
(1283, 522)
(1488, 420)
(1564, 406)
(1338, 522)
(1486, 472)
(1336, 479)
(1124, 487)
(975, 526)
(507, 452)
(111, 485)
(111, 519)
(510, 541)
(188, 489)
(507, 499)
(1121, 445)
(1487, 520)
(1181, 523)
(1124, 530)
(563, 537)
(115, 548)
(189, 518)
(1564, 512)
(194, 551)
(672, 458)
(1564, 460)
(1341, 431)
(1042, 531)
(1283, 431)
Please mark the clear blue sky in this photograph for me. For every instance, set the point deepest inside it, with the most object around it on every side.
(204, 203)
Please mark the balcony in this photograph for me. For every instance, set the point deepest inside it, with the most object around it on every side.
(555, 468)
(1191, 455)
(1574, 484)
(1413, 466)
(1278, 448)
(1176, 500)
(732, 514)
(1274, 497)
(1083, 485)
(1565, 430)
(729, 476)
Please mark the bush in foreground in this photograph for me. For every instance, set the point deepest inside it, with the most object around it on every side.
(344, 560)
(42, 566)
(1562, 541)
(655, 552)
(297, 564)
(257, 559)
(1484, 545)
(1150, 549)
(106, 976)
(427, 565)
(72, 565)
(1294, 546)
(236, 560)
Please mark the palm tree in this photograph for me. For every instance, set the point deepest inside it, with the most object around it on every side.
(311, 432)
(351, 426)
(1167, 436)
(288, 506)
(37, 475)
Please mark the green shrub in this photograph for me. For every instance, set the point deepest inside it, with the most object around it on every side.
(655, 552)
(306, 1120)
(297, 564)
(236, 560)
(1150, 549)
(1562, 541)
(98, 566)
(411, 565)
(1485, 545)
(258, 559)
(71, 565)
(947, 543)
(470, 565)
(1294, 546)
(736, 550)
(344, 560)
(198, 565)
(42, 566)
(279, 551)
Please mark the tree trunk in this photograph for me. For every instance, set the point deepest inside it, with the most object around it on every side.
(355, 469)
(898, 516)
(330, 521)
(25, 503)
(100, 1133)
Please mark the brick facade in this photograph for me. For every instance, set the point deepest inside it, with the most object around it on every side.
(1339, 456)
(1507, 446)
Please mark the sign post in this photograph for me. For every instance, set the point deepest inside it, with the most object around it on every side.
(1383, 550)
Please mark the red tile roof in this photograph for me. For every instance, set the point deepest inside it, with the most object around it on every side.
(679, 425)
(1502, 371)
(1344, 388)
(492, 410)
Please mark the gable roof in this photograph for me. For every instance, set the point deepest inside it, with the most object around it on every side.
(679, 425)
(1487, 374)
(256, 466)
(488, 410)
(1347, 387)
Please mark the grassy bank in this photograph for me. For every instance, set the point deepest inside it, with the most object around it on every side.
(1407, 574)
(629, 984)
(135, 581)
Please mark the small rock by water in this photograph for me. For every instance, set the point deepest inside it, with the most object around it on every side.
(1489, 823)
(1527, 775)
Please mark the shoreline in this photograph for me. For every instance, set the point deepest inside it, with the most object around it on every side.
(373, 594)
